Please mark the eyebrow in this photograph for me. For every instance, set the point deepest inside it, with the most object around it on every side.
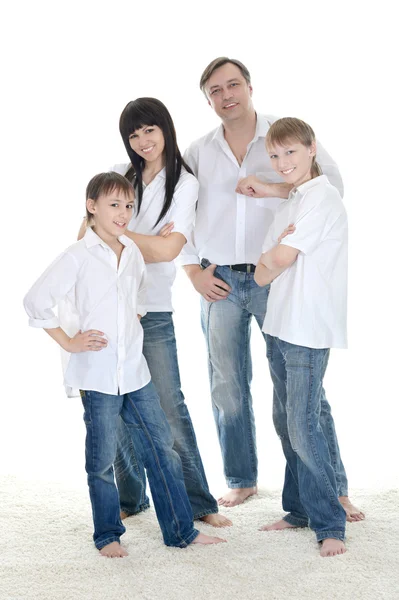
(229, 81)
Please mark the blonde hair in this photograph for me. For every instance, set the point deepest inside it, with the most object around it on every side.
(289, 129)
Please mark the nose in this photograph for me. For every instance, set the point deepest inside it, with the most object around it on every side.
(227, 94)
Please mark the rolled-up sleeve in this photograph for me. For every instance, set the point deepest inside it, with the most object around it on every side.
(183, 207)
(55, 283)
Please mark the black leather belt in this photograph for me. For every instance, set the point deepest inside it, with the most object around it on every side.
(244, 268)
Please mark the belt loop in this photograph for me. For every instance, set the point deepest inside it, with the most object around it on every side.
(248, 268)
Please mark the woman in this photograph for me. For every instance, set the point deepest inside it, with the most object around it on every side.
(166, 195)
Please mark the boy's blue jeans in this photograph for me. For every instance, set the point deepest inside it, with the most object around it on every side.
(159, 349)
(227, 329)
(146, 423)
(310, 493)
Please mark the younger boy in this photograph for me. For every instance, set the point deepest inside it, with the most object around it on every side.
(103, 276)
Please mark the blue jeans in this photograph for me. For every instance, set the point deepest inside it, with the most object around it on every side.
(146, 422)
(310, 493)
(227, 327)
(160, 352)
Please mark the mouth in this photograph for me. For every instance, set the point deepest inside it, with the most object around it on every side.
(120, 224)
(148, 150)
(288, 171)
(230, 105)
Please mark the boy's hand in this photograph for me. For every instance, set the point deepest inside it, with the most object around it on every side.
(166, 229)
(91, 340)
(290, 229)
(252, 186)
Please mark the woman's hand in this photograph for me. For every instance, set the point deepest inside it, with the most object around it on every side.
(166, 229)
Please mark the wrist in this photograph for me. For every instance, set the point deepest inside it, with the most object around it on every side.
(192, 271)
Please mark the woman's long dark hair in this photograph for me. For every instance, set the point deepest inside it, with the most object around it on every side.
(146, 112)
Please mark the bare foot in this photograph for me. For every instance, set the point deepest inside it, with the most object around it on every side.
(123, 515)
(207, 539)
(353, 514)
(237, 496)
(113, 550)
(332, 547)
(277, 526)
(217, 520)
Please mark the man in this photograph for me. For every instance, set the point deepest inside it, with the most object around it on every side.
(220, 262)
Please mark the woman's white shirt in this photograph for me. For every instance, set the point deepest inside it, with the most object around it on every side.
(160, 276)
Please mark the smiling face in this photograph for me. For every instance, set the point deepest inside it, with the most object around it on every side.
(149, 143)
(229, 93)
(293, 161)
(111, 214)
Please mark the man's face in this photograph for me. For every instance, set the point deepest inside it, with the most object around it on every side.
(228, 92)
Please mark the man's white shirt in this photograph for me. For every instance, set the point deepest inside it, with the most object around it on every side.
(104, 297)
(307, 303)
(160, 276)
(230, 227)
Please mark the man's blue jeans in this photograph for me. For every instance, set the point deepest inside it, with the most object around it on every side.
(227, 328)
(310, 489)
(160, 351)
(145, 422)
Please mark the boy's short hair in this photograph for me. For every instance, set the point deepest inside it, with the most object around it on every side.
(219, 62)
(104, 184)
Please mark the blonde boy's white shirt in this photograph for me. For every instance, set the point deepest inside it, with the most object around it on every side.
(104, 297)
(161, 276)
(230, 227)
(307, 303)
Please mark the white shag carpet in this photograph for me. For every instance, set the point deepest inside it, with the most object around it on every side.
(46, 553)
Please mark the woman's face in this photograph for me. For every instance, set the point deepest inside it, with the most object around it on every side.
(149, 143)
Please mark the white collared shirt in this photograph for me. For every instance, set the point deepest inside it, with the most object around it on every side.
(230, 227)
(105, 297)
(307, 303)
(160, 276)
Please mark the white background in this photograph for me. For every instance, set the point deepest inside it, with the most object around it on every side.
(69, 71)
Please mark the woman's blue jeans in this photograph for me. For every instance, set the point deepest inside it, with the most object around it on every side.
(146, 423)
(160, 351)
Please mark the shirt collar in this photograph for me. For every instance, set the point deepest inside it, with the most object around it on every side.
(304, 187)
(92, 239)
(262, 127)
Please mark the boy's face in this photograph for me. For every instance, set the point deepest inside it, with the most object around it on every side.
(111, 213)
(293, 161)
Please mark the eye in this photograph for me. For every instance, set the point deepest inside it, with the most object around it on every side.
(114, 205)
(215, 92)
(132, 136)
(273, 156)
(129, 206)
(290, 151)
(234, 84)
(149, 130)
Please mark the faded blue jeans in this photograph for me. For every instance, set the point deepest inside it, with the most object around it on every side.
(227, 328)
(310, 493)
(160, 351)
(145, 422)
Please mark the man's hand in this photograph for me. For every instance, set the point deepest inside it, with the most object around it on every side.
(91, 340)
(252, 186)
(290, 229)
(206, 284)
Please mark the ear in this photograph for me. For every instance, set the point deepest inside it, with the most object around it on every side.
(312, 149)
(209, 103)
(250, 90)
(91, 206)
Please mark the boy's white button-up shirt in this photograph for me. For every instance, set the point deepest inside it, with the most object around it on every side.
(229, 227)
(160, 276)
(105, 297)
(307, 304)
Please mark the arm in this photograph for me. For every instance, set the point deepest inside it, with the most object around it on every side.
(156, 248)
(255, 188)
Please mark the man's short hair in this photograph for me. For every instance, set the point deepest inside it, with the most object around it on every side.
(219, 62)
